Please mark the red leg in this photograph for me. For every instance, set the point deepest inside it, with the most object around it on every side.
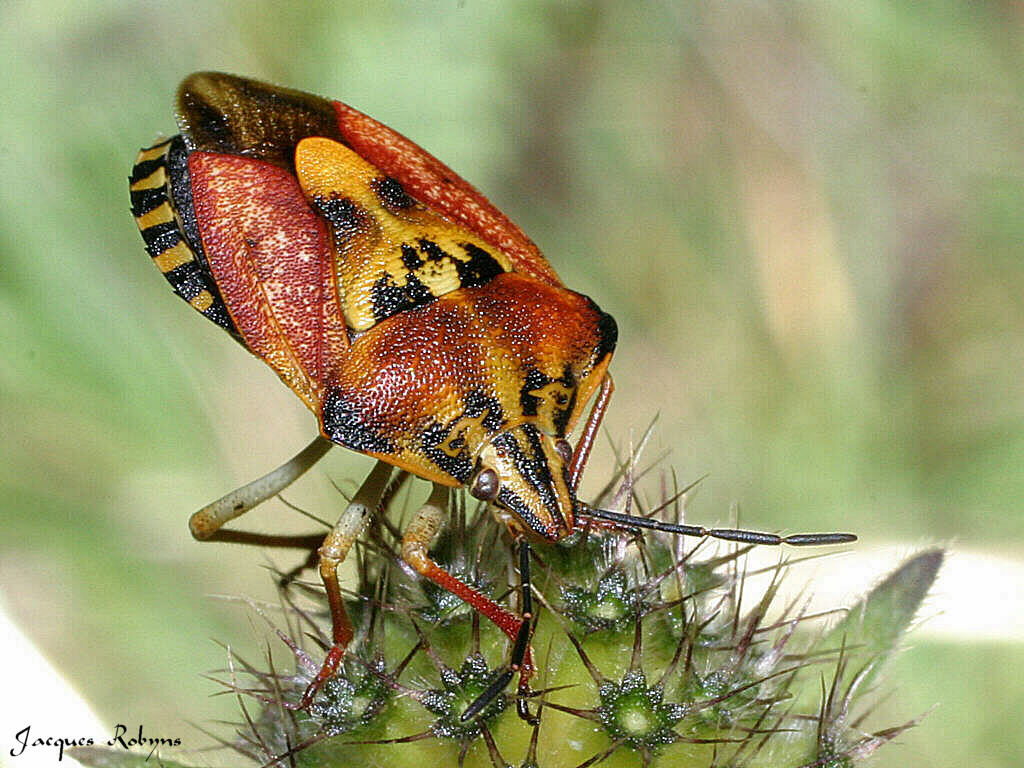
(418, 535)
(582, 452)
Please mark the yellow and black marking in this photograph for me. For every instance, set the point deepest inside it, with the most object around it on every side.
(392, 253)
(452, 447)
(425, 272)
(540, 494)
(550, 402)
(162, 207)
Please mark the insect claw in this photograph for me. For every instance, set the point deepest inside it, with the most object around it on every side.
(523, 710)
(327, 670)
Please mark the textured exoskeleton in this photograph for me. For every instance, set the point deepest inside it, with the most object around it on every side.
(415, 320)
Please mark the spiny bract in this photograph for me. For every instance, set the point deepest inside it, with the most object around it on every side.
(648, 650)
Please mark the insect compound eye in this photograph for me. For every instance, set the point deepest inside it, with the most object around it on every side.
(564, 448)
(485, 485)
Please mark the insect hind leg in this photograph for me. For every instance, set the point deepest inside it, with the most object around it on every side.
(206, 524)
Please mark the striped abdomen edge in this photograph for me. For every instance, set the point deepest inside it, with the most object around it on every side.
(167, 225)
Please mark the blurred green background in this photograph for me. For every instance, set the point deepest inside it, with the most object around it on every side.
(805, 216)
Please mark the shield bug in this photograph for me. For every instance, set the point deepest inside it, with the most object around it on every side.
(418, 324)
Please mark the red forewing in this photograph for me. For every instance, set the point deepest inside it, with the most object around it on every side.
(269, 254)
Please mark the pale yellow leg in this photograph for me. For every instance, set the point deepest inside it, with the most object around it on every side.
(332, 553)
(415, 551)
(423, 528)
(339, 541)
(211, 518)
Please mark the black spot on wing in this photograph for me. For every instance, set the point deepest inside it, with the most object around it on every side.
(411, 258)
(347, 218)
(392, 194)
(480, 269)
(389, 294)
(387, 298)
(432, 250)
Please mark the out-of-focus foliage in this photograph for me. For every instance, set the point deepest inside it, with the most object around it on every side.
(805, 216)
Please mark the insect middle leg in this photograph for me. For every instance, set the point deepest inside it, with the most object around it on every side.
(333, 552)
(415, 551)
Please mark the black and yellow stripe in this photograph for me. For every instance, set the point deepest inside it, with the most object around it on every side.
(162, 207)
(534, 482)
(392, 253)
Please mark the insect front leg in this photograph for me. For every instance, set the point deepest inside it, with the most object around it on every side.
(332, 553)
(519, 658)
(415, 550)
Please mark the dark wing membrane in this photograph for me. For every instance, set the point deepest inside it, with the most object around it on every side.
(231, 115)
(162, 207)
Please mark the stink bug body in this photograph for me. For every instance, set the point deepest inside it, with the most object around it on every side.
(417, 323)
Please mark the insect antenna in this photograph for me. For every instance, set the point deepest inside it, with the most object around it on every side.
(727, 534)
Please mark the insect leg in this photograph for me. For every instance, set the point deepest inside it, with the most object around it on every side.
(207, 522)
(582, 452)
(415, 545)
(332, 552)
(520, 649)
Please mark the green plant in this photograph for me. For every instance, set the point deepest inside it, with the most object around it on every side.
(649, 651)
